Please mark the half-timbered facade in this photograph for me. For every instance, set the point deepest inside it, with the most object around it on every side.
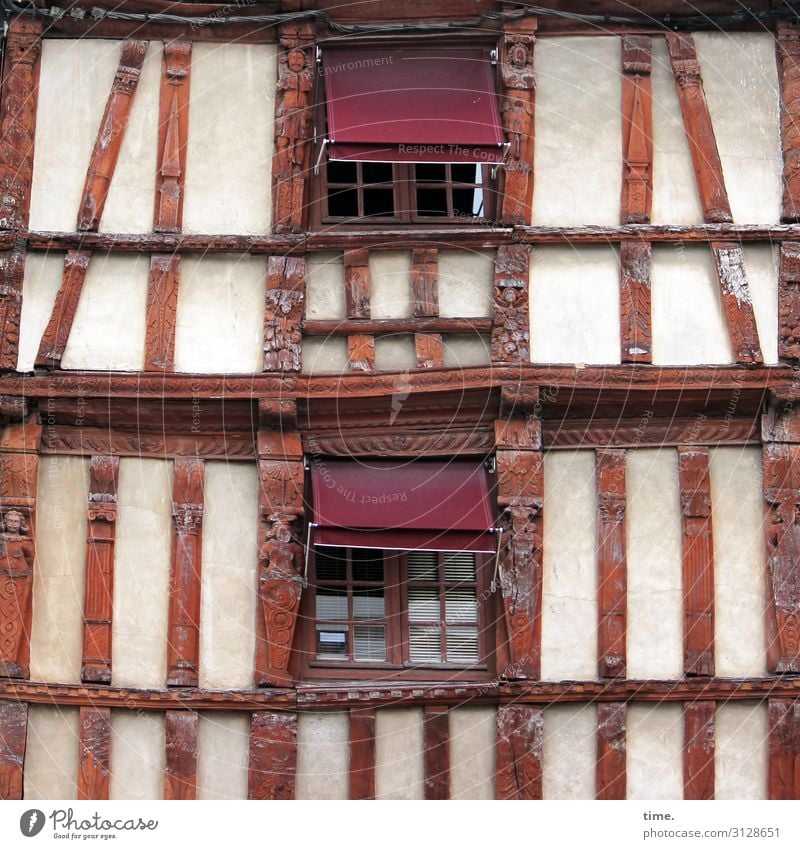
(398, 400)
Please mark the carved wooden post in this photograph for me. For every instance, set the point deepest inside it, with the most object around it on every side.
(362, 753)
(789, 301)
(19, 464)
(17, 131)
(781, 454)
(180, 778)
(736, 301)
(293, 126)
(611, 775)
(784, 749)
(162, 312)
(13, 737)
(520, 488)
(698, 749)
(436, 735)
(99, 591)
(273, 756)
(518, 770)
(519, 98)
(95, 753)
(637, 129)
(183, 650)
(280, 472)
(283, 316)
(636, 328)
(360, 346)
(511, 332)
(425, 291)
(789, 56)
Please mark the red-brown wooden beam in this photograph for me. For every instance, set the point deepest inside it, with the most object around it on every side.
(13, 737)
(611, 563)
(111, 134)
(425, 298)
(789, 300)
(357, 286)
(789, 65)
(183, 649)
(180, 776)
(784, 749)
(283, 315)
(636, 323)
(518, 765)
(162, 311)
(273, 756)
(698, 749)
(518, 104)
(737, 302)
(510, 320)
(611, 774)
(95, 753)
(637, 129)
(12, 273)
(99, 591)
(436, 728)
(699, 129)
(362, 753)
(698, 561)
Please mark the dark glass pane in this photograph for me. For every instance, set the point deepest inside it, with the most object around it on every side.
(466, 173)
(464, 202)
(431, 202)
(342, 172)
(367, 564)
(377, 172)
(378, 202)
(431, 173)
(343, 203)
(331, 564)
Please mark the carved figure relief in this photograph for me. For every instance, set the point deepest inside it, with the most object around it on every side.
(16, 579)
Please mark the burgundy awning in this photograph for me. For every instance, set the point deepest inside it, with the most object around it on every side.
(423, 105)
(391, 504)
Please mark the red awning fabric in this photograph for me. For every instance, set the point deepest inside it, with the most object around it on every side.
(435, 506)
(422, 105)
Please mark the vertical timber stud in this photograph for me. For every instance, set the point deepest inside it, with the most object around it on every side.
(736, 301)
(99, 590)
(436, 724)
(698, 561)
(611, 774)
(698, 749)
(283, 316)
(183, 649)
(518, 770)
(180, 778)
(273, 756)
(511, 332)
(293, 127)
(17, 131)
(784, 749)
(95, 752)
(637, 130)
(280, 474)
(636, 326)
(19, 463)
(425, 293)
(611, 563)
(357, 284)
(789, 301)
(518, 102)
(13, 737)
(520, 487)
(789, 63)
(362, 753)
(162, 311)
(781, 437)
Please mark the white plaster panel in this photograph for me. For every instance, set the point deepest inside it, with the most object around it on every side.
(138, 755)
(675, 196)
(74, 84)
(229, 150)
(654, 744)
(740, 79)
(569, 752)
(465, 283)
(742, 751)
(51, 753)
(739, 561)
(141, 573)
(131, 195)
(569, 584)
(689, 325)
(325, 355)
(223, 747)
(390, 284)
(325, 287)
(39, 289)
(473, 731)
(578, 131)
(395, 353)
(574, 297)
(323, 756)
(399, 754)
(761, 265)
(230, 551)
(655, 570)
(58, 578)
(220, 318)
(465, 351)
(109, 327)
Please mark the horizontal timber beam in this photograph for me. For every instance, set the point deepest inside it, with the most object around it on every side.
(345, 327)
